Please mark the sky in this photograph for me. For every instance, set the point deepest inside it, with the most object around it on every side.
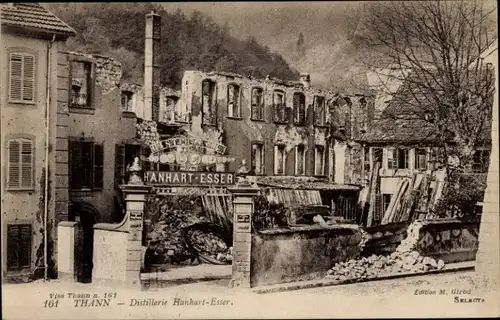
(278, 25)
(271, 21)
(327, 28)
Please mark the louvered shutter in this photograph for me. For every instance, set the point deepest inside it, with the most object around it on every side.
(260, 101)
(75, 158)
(16, 76)
(22, 77)
(296, 107)
(14, 164)
(28, 78)
(91, 86)
(230, 100)
(26, 164)
(119, 164)
(236, 101)
(98, 166)
(19, 246)
(25, 245)
(13, 247)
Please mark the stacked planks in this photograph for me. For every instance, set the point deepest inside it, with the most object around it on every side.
(412, 195)
(372, 193)
(217, 205)
(403, 202)
(394, 205)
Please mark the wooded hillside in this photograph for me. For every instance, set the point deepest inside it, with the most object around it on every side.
(188, 42)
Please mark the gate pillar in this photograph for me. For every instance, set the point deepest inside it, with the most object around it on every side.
(135, 197)
(118, 247)
(243, 206)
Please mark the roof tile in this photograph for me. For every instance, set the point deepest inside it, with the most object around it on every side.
(403, 121)
(32, 15)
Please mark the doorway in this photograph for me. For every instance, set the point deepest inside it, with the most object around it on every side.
(86, 217)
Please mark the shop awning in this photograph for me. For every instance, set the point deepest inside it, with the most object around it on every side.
(301, 183)
(294, 198)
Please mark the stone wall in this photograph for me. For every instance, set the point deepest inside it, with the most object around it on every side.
(107, 253)
(107, 72)
(442, 239)
(449, 240)
(280, 256)
(384, 239)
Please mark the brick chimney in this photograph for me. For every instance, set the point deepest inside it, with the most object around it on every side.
(305, 79)
(152, 67)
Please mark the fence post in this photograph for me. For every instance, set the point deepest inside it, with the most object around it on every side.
(66, 244)
(118, 247)
(243, 206)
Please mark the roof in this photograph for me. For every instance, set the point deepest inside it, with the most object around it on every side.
(300, 183)
(33, 16)
(403, 120)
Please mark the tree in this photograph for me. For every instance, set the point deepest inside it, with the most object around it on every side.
(435, 47)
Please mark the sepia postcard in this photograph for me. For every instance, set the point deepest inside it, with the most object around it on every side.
(250, 160)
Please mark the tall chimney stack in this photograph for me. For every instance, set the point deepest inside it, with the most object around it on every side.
(152, 67)
(305, 79)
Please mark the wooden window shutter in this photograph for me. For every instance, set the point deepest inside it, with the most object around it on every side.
(20, 166)
(91, 85)
(14, 166)
(296, 107)
(19, 246)
(22, 77)
(119, 164)
(98, 166)
(28, 78)
(25, 245)
(13, 247)
(16, 76)
(75, 157)
(26, 164)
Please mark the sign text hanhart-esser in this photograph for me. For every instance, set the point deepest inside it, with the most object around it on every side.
(188, 178)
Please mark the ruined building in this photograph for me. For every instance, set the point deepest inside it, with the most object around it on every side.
(282, 128)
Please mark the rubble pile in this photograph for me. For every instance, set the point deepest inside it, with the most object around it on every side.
(209, 244)
(404, 259)
(166, 239)
(181, 231)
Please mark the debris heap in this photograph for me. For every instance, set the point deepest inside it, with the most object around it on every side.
(181, 231)
(404, 259)
(210, 245)
(166, 240)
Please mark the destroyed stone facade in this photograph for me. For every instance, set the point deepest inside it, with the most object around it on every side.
(168, 103)
(278, 127)
(97, 130)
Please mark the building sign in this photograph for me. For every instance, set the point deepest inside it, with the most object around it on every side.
(187, 152)
(243, 218)
(191, 143)
(189, 178)
(135, 215)
(190, 159)
(243, 222)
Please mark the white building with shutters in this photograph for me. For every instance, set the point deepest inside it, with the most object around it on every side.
(30, 121)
